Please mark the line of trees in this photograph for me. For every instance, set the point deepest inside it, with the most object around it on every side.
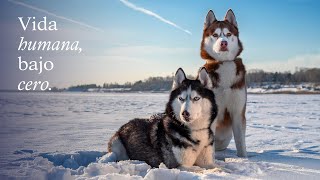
(303, 75)
(150, 84)
(82, 88)
(253, 78)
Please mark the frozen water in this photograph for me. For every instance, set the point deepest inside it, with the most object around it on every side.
(65, 135)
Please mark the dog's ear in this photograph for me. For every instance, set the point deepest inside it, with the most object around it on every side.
(178, 78)
(231, 18)
(209, 19)
(204, 78)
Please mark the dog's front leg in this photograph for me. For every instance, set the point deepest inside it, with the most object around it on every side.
(186, 157)
(206, 157)
(239, 132)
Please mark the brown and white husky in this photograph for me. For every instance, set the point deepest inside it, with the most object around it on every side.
(220, 48)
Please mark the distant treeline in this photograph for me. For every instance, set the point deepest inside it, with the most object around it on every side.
(303, 75)
(150, 84)
(83, 88)
(253, 78)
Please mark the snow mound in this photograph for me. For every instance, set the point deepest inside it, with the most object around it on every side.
(91, 165)
(96, 165)
(123, 169)
(41, 168)
(73, 160)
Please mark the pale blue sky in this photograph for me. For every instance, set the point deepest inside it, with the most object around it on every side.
(277, 36)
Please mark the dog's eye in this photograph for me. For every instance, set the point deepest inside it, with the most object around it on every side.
(229, 34)
(215, 35)
(196, 98)
(181, 99)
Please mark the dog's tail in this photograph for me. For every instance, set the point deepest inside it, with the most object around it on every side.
(117, 151)
(109, 157)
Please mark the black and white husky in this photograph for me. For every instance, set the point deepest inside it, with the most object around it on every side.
(182, 138)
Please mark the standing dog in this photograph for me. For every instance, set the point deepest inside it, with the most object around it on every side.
(181, 138)
(220, 47)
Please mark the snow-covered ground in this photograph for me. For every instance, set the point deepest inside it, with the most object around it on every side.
(304, 88)
(65, 135)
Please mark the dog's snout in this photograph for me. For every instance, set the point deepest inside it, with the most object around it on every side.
(224, 44)
(186, 114)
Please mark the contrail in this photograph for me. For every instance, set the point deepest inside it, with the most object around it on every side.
(150, 13)
(55, 15)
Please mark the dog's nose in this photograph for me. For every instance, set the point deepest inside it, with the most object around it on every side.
(224, 44)
(185, 114)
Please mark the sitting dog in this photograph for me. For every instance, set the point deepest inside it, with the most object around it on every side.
(220, 47)
(182, 137)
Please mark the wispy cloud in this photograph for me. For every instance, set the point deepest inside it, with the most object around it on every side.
(150, 13)
(55, 15)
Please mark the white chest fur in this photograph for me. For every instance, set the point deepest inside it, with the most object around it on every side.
(233, 99)
(187, 156)
(227, 74)
(202, 136)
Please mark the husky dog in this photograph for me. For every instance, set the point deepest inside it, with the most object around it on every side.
(220, 47)
(183, 137)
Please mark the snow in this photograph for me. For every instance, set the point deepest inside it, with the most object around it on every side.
(65, 136)
(304, 88)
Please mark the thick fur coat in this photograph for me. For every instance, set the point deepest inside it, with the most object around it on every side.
(220, 48)
(181, 138)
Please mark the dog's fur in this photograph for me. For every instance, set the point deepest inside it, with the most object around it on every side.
(183, 137)
(220, 47)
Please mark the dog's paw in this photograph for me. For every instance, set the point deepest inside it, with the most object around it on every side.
(195, 169)
(215, 169)
(210, 166)
(242, 154)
